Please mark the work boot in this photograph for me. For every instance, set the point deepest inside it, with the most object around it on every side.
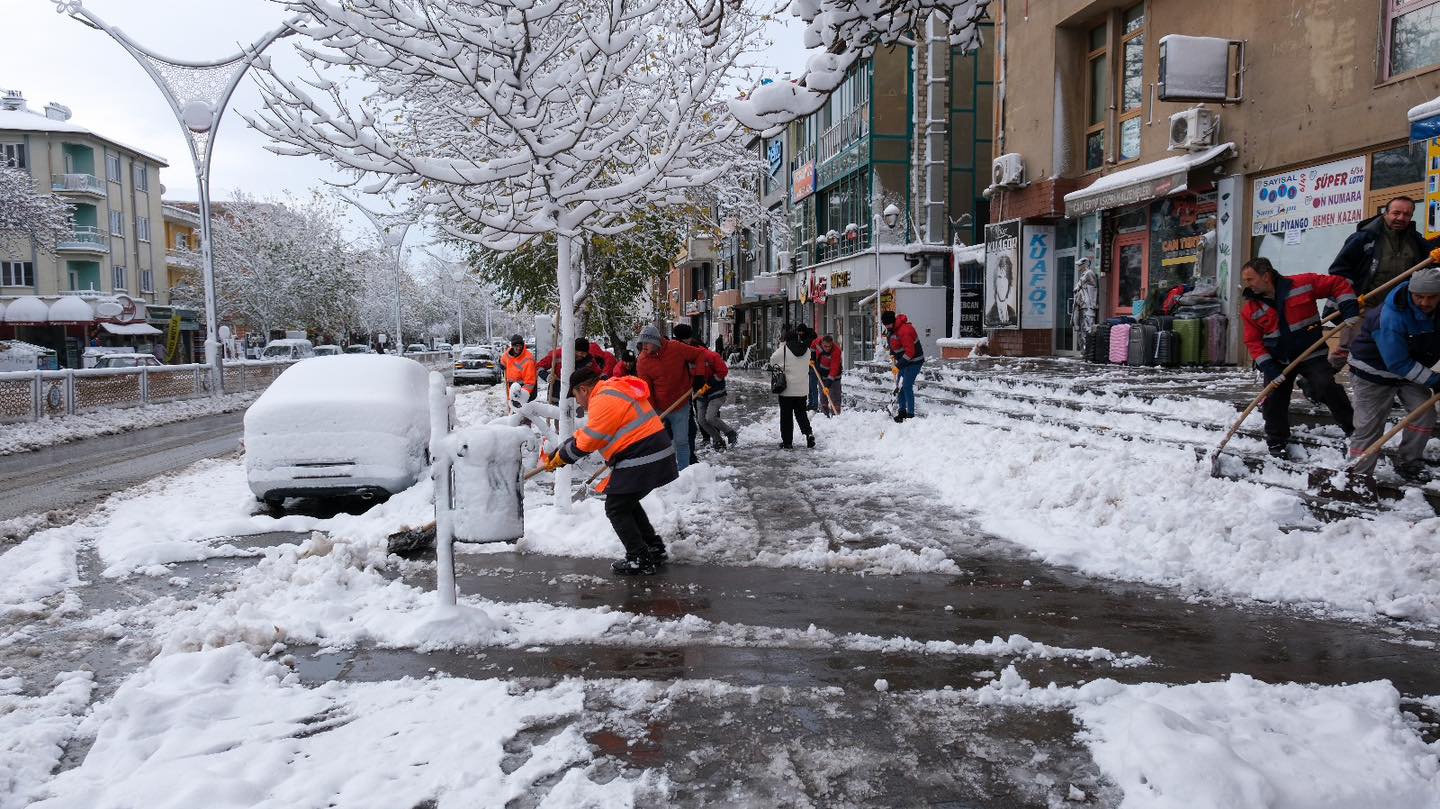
(1278, 449)
(633, 567)
(657, 557)
(899, 417)
(1413, 471)
(810, 440)
(733, 437)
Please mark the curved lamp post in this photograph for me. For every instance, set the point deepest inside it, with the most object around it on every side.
(391, 228)
(198, 92)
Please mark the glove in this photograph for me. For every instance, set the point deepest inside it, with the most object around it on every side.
(895, 369)
(1435, 256)
(555, 462)
(1270, 369)
(704, 389)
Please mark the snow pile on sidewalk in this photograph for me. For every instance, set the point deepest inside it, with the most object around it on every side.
(1244, 744)
(1136, 510)
(33, 731)
(222, 730)
(31, 435)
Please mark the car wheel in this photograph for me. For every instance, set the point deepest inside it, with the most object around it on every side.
(273, 503)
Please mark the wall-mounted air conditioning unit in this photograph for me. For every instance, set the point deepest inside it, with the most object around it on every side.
(1193, 130)
(1007, 171)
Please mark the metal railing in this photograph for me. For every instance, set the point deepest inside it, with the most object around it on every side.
(849, 129)
(32, 395)
(86, 239)
(77, 184)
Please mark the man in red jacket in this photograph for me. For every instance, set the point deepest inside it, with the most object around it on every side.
(665, 365)
(908, 356)
(1281, 319)
(603, 361)
(829, 364)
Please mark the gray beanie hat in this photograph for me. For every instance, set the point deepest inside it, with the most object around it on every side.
(650, 334)
(1426, 282)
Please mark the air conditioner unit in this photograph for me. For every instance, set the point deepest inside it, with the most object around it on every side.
(1194, 129)
(1007, 171)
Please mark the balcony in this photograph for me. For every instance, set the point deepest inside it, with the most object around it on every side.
(84, 184)
(184, 259)
(83, 240)
(851, 128)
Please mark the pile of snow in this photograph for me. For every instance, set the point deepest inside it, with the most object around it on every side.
(1245, 744)
(34, 730)
(31, 435)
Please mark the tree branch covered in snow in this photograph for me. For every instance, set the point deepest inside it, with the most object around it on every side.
(846, 31)
(28, 215)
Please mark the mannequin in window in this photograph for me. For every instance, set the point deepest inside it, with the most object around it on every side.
(1085, 303)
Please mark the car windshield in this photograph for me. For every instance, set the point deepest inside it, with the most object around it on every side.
(471, 354)
(119, 362)
(356, 349)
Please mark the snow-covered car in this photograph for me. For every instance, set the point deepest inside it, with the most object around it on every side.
(327, 351)
(444, 347)
(416, 348)
(476, 364)
(127, 361)
(288, 349)
(359, 349)
(355, 424)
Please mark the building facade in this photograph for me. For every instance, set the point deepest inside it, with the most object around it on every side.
(95, 288)
(1169, 142)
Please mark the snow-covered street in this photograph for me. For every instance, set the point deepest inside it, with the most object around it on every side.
(904, 615)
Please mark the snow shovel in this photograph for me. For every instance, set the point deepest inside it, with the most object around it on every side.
(1394, 431)
(820, 380)
(1378, 292)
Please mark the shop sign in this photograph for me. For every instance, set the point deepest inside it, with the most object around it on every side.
(1322, 196)
(818, 288)
(775, 155)
(118, 308)
(840, 280)
(1037, 281)
(1002, 258)
(802, 181)
(172, 338)
(1129, 194)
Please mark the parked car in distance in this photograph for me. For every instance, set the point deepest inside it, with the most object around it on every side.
(288, 349)
(444, 347)
(359, 349)
(127, 361)
(327, 351)
(476, 364)
(354, 425)
(416, 348)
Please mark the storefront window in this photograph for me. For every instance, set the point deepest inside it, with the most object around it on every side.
(1403, 165)
(1413, 34)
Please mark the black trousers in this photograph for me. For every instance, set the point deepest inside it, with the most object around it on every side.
(1320, 379)
(628, 518)
(792, 409)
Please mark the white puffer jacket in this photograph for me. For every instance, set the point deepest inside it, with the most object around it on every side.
(797, 368)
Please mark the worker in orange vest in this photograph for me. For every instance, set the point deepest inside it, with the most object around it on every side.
(519, 365)
(624, 428)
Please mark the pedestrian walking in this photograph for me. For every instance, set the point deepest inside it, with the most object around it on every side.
(829, 365)
(1392, 356)
(908, 356)
(665, 367)
(793, 358)
(685, 333)
(1381, 247)
(519, 365)
(623, 427)
(1282, 320)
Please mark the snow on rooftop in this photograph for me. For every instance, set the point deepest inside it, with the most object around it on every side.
(1428, 109)
(28, 120)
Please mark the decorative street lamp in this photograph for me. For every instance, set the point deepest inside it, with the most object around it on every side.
(391, 228)
(198, 93)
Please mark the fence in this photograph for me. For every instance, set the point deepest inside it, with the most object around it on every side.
(32, 395)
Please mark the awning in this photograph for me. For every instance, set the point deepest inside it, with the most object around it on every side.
(1150, 181)
(71, 309)
(1425, 120)
(130, 329)
(27, 311)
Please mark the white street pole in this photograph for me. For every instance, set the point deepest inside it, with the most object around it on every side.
(198, 93)
(384, 225)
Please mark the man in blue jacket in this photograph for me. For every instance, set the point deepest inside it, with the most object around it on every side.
(1393, 355)
(1381, 247)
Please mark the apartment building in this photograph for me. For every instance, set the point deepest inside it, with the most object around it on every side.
(95, 287)
(1171, 141)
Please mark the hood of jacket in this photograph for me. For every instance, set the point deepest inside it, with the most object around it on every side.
(797, 346)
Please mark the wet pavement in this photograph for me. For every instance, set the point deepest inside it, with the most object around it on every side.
(68, 476)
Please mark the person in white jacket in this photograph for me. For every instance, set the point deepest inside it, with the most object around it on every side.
(793, 356)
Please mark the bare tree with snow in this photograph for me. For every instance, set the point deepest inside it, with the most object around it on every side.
(29, 215)
(527, 118)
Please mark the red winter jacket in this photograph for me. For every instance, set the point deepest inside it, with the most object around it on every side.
(669, 373)
(1273, 338)
(830, 364)
(904, 342)
(603, 360)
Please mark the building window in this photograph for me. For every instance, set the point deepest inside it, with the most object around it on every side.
(12, 156)
(1097, 97)
(1132, 81)
(112, 168)
(118, 277)
(142, 228)
(142, 177)
(1412, 35)
(117, 224)
(17, 274)
(147, 281)
(182, 241)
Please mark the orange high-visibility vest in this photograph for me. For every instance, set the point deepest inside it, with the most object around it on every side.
(519, 369)
(620, 416)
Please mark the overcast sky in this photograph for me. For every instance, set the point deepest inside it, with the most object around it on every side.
(50, 57)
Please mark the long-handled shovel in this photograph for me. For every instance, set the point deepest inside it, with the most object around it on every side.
(820, 380)
(1378, 292)
(1375, 448)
